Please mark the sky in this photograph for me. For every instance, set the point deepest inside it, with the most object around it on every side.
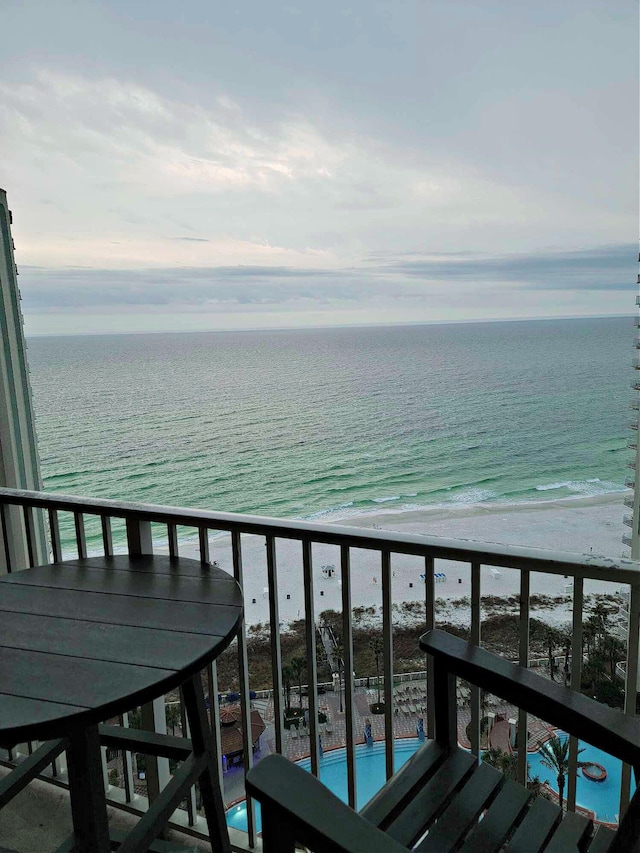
(210, 165)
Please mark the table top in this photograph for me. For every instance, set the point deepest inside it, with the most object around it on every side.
(84, 640)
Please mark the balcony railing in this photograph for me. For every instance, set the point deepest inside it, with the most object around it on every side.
(19, 511)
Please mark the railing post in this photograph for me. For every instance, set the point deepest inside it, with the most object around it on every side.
(81, 536)
(387, 660)
(430, 624)
(245, 693)
(30, 527)
(203, 544)
(523, 659)
(54, 532)
(156, 769)
(127, 765)
(154, 718)
(576, 684)
(276, 655)
(214, 717)
(312, 672)
(107, 536)
(475, 639)
(631, 682)
(172, 537)
(349, 695)
(192, 810)
(139, 540)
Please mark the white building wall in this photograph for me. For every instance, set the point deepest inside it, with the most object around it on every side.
(19, 462)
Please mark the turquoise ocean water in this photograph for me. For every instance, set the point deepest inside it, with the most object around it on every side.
(326, 423)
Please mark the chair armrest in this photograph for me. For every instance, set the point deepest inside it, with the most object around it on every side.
(315, 816)
(597, 724)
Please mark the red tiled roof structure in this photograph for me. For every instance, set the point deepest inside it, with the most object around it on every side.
(231, 729)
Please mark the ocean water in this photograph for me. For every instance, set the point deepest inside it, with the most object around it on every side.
(327, 423)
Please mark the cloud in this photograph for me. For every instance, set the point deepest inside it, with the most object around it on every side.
(128, 167)
(599, 268)
(79, 289)
(144, 137)
(190, 239)
(394, 280)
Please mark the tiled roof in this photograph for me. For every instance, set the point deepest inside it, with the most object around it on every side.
(231, 735)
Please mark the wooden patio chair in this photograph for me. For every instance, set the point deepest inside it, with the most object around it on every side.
(435, 801)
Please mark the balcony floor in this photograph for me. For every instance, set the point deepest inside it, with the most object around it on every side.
(38, 820)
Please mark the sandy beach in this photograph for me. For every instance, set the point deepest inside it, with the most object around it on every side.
(584, 525)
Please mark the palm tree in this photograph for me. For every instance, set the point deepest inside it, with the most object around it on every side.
(600, 619)
(588, 635)
(321, 656)
(555, 756)
(287, 678)
(614, 651)
(377, 647)
(551, 642)
(505, 762)
(566, 641)
(338, 655)
(298, 665)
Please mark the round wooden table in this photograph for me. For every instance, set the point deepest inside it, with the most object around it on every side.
(85, 640)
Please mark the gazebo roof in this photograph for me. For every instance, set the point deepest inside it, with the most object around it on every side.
(231, 733)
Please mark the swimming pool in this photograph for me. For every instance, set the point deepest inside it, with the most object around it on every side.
(370, 775)
(603, 798)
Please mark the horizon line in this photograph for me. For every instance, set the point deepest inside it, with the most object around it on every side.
(409, 323)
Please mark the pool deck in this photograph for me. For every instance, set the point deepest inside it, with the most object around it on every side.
(409, 707)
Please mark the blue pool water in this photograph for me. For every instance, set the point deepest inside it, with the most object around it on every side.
(370, 775)
(601, 797)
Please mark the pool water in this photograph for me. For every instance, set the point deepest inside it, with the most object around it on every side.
(603, 798)
(370, 775)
